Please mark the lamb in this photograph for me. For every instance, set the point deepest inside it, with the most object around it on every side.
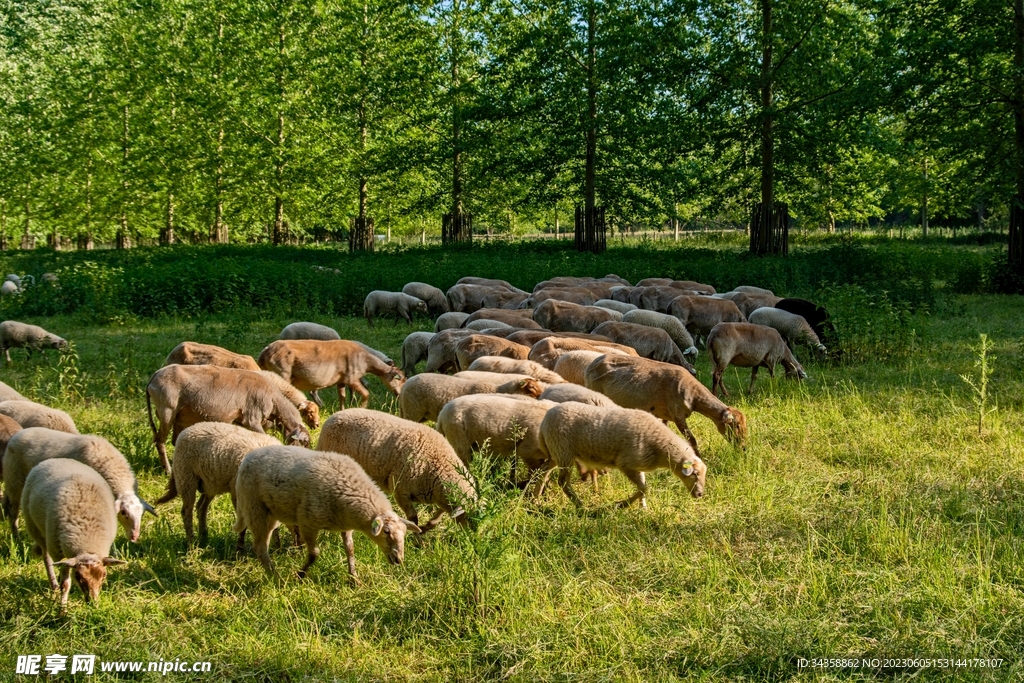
(564, 393)
(414, 350)
(572, 365)
(746, 345)
(314, 491)
(699, 314)
(33, 445)
(437, 303)
(620, 306)
(307, 330)
(649, 342)
(631, 441)
(667, 391)
(396, 303)
(311, 365)
(16, 335)
(793, 328)
(521, 318)
(409, 460)
(547, 351)
(32, 414)
(206, 459)
(483, 324)
(562, 316)
(424, 395)
(467, 350)
(515, 366)
(69, 514)
(441, 350)
(450, 321)
(8, 393)
(186, 394)
(675, 329)
(193, 353)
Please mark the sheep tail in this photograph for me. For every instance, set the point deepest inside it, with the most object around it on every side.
(149, 412)
(170, 494)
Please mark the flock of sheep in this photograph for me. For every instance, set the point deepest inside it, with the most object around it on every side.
(580, 371)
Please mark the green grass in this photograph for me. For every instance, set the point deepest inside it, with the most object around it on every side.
(866, 519)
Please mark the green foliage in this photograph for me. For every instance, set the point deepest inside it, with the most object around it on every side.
(870, 324)
(979, 386)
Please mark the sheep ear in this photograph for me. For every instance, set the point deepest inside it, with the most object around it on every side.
(148, 508)
(409, 526)
(376, 526)
(69, 562)
(108, 561)
(687, 469)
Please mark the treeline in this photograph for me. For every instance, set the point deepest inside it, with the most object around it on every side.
(134, 120)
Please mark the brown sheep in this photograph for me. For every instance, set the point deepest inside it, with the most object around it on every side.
(467, 298)
(701, 313)
(573, 295)
(667, 391)
(489, 282)
(194, 353)
(748, 302)
(516, 367)
(572, 365)
(747, 345)
(649, 342)
(563, 316)
(479, 345)
(689, 285)
(184, 395)
(656, 298)
(503, 299)
(547, 351)
(310, 365)
(425, 394)
(531, 337)
(520, 318)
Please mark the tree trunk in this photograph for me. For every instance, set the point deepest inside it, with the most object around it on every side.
(3, 225)
(590, 224)
(1016, 251)
(219, 231)
(279, 229)
(924, 203)
(455, 54)
(167, 235)
(28, 241)
(122, 241)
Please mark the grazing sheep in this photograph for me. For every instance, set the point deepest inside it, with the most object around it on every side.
(689, 285)
(675, 329)
(564, 393)
(69, 514)
(414, 350)
(206, 460)
(621, 293)
(193, 353)
(561, 281)
(572, 295)
(699, 314)
(656, 298)
(441, 349)
(314, 491)
(793, 328)
(746, 345)
(563, 316)
(8, 288)
(409, 460)
(620, 306)
(531, 337)
(649, 342)
(309, 410)
(32, 414)
(15, 335)
(749, 302)
(748, 289)
(667, 391)
(488, 282)
(379, 302)
(467, 298)
(424, 395)
(435, 299)
(311, 365)
(306, 330)
(479, 345)
(33, 445)
(482, 324)
(815, 315)
(547, 351)
(496, 378)
(631, 441)
(8, 428)
(515, 366)
(503, 299)
(450, 321)
(572, 365)
(186, 394)
(7, 393)
(521, 318)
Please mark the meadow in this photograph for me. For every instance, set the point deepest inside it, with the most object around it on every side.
(868, 518)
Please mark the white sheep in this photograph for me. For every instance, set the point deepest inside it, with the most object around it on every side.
(794, 328)
(450, 321)
(8, 288)
(8, 393)
(404, 458)
(669, 323)
(565, 393)
(33, 445)
(32, 414)
(206, 460)
(620, 306)
(307, 330)
(631, 441)
(424, 395)
(414, 350)
(8, 428)
(435, 299)
(69, 514)
(379, 302)
(314, 491)
(16, 335)
(573, 364)
(484, 324)
(514, 366)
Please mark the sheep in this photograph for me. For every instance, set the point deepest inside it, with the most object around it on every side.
(689, 285)
(441, 350)
(69, 514)
(483, 324)
(8, 288)
(311, 365)
(620, 306)
(699, 314)
(309, 410)
(33, 445)
(449, 321)
(531, 337)
(8, 428)
(314, 491)
(206, 459)
(515, 366)
(561, 281)
(750, 302)
(467, 298)
(437, 303)
(573, 295)
(409, 460)
(8, 393)
(667, 391)
(496, 378)
(32, 414)
(815, 315)
(467, 350)
(631, 441)
(193, 353)
(397, 303)
(563, 393)
(414, 350)
(572, 364)
(656, 298)
(748, 289)
(649, 342)
(547, 351)
(675, 329)
(747, 345)
(16, 335)
(487, 282)
(521, 318)
(424, 395)
(793, 328)
(621, 293)
(562, 316)
(50, 277)
(503, 299)
(307, 330)
(186, 394)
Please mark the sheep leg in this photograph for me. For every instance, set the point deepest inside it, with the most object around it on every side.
(408, 508)
(312, 551)
(240, 543)
(369, 319)
(436, 519)
(7, 352)
(48, 563)
(753, 377)
(204, 505)
(316, 398)
(261, 544)
(65, 587)
(161, 446)
(350, 554)
(563, 481)
(641, 489)
(188, 503)
(717, 385)
(364, 395)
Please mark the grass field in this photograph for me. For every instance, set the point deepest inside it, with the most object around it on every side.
(867, 518)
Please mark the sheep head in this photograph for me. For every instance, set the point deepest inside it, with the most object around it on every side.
(388, 531)
(90, 572)
(310, 414)
(692, 471)
(733, 426)
(421, 305)
(55, 342)
(530, 387)
(793, 369)
(298, 437)
(129, 514)
(394, 379)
